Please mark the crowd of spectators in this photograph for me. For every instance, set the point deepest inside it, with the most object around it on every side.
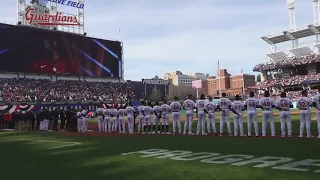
(293, 95)
(295, 80)
(42, 90)
(291, 61)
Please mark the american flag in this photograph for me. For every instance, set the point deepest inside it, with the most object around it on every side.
(218, 69)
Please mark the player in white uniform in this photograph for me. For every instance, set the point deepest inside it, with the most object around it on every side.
(84, 127)
(251, 105)
(189, 106)
(316, 104)
(156, 117)
(165, 110)
(99, 114)
(238, 107)
(107, 119)
(147, 111)
(225, 106)
(79, 121)
(284, 104)
(201, 115)
(114, 122)
(141, 117)
(304, 103)
(210, 109)
(176, 108)
(267, 104)
(130, 114)
(121, 113)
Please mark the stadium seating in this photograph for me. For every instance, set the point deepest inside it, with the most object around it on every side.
(292, 61)
(22, 90)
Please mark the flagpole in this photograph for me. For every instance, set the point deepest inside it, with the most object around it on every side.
(243, 84)
(219, 78)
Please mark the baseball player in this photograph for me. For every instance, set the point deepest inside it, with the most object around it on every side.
(284, 104)
(99, 113)
(165, 110)
(251, 105)
(114, 122)
(147, 111)
(210, 109)
(267, 104)
(130, 114)
(176, 108)
(316, 104)
(238, 106)
(189, 106)
(121, 113)
(84, 122)
(107, 119)
(225, 106)
(156, 118)
(79, 121)
(304, 103)
(201, 115)
(141, 117)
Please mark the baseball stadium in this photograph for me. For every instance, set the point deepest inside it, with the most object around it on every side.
(67, 112)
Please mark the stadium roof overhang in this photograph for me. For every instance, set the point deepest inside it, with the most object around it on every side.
(301, 51)
(277, 56)
(285, 36)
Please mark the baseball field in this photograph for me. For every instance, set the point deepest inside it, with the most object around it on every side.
(93, 155)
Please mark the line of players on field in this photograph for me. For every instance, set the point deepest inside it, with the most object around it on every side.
(113, 119)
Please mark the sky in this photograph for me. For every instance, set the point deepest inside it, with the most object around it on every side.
(191, 36)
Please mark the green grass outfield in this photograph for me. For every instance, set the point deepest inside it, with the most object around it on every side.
(95, 156)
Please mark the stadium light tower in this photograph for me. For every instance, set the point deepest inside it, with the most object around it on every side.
(292, 18)
(316, 14)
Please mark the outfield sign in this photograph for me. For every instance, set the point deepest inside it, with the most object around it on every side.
(280, 163)
(155, 81)
(63, 2)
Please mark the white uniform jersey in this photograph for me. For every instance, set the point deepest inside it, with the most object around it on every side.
(237, 106)
(84, 113)
(140, 109)
(114, 112)
(251, 104)
(156, 110)
(165, 109)
(284, 103)
(189, 105)
(147, 110)
(130, 111)
(210, 107)
(107, 112)
(99, 111)
(175, 106)
(79, 114)
(121, 112)
(200, 105)
(316, 100)
(224, 104)
(304, 103)
(267, 103)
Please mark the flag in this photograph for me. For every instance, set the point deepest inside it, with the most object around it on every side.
(218, 69)
(241, 71)
(197, 84)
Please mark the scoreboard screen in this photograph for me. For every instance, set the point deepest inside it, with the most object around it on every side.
(34, 50)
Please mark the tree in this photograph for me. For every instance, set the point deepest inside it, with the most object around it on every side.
(155, 95)
(183, 91)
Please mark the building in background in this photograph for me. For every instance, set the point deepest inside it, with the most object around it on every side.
(232, 85)
(177, 78)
